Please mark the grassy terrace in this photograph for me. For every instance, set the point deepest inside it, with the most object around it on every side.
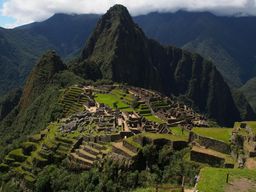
(153, 118)
(124, 101)
(164, 136)
(153, 136)
(36, 156)
(178, 132)
(214, 180)
(228, 158)
(144, 110)
(221, 134)
(72, 100)
(131, 141)
(109, 100)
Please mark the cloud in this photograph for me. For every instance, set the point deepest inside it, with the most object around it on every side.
(26, 11)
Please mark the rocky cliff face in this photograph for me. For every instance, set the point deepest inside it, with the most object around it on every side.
(121, 52)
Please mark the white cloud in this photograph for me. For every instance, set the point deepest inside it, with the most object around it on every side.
(26, 11)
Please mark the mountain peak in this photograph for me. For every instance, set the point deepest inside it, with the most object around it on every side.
(119, 50)
(114, 26)
(52, 60)
(118, 13)
(118, 8)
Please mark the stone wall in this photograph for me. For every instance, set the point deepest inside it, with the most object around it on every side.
(206, 158)
(210, 143)
(229, 165)
(103, 138)
(130, 146)
(124, 134)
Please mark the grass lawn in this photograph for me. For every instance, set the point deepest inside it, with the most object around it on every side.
(221, 134)
(109, 99)
(178, 131)
(153, 118)
(214, 180)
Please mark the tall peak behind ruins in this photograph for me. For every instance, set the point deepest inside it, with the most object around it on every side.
(119, 50)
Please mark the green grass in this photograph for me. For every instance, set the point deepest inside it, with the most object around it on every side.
(131, 141)
(214, 180)
(153, 118)
(145, 190)
(18, 155)
(164, 136)
(178, 131)
(220, 134)
(36, 137)
(71, 100)
(166, 188)
(109, 99)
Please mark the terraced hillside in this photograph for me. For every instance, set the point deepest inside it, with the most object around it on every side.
(73, 100)
(117, 123)
(212, 146)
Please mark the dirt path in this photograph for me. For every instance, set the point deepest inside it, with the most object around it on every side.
(250, 163)
(241, 185)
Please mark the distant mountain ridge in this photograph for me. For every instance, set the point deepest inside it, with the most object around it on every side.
(214, 37)
(218, 39)
(120, 51)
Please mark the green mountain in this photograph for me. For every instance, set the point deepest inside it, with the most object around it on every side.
(217, 38)
(249, 91)
(120, 51)
(39, 103)
(20, 48)
(19, 51)
(9, 101)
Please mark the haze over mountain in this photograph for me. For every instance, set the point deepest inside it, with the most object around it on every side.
(39, 10)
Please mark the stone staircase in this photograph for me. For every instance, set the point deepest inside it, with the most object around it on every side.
(86, 155)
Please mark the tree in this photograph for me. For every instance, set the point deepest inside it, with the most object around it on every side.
(115, 105)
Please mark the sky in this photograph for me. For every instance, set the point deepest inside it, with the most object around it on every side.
(19, 12)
